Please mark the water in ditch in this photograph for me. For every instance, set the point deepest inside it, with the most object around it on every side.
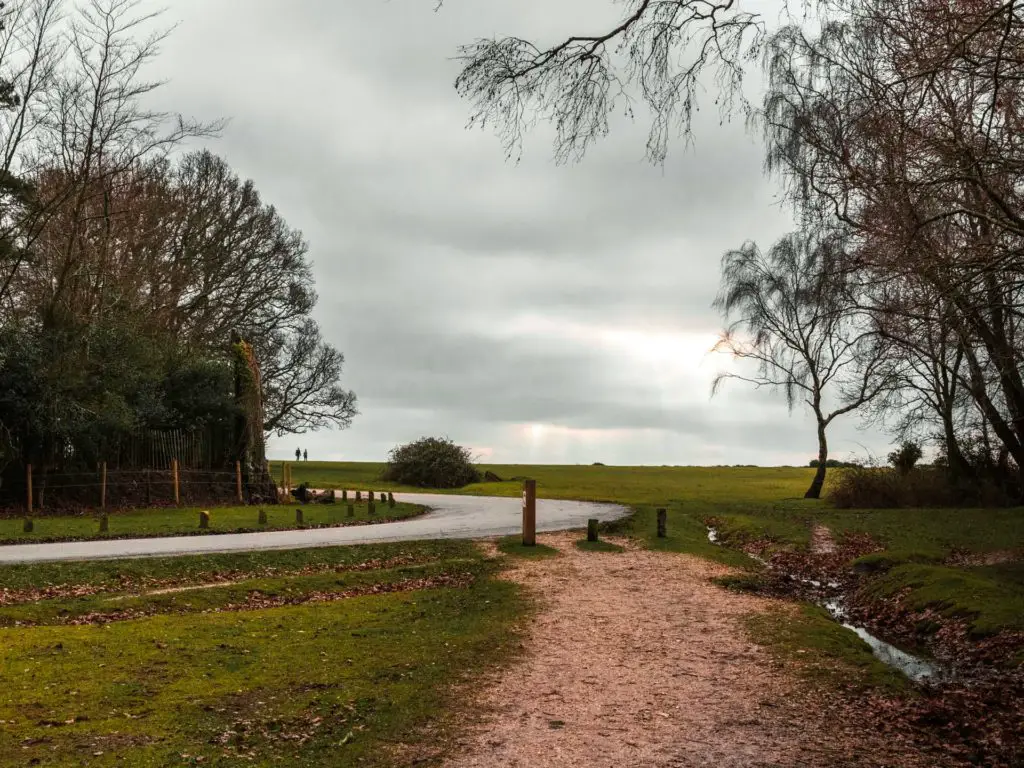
(913, 667)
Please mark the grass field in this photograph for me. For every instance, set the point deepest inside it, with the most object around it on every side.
(177, 522)
(318, 657)
(628, 485)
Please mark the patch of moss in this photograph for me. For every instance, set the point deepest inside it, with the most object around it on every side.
(989, 598)
(823, 651)
(741, 582)
(886, 560)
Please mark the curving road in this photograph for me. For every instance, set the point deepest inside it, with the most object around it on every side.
(451, 517)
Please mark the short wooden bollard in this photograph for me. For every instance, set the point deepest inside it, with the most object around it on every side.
(592, 529)
(103, 486)
(177, 485)
(391, 500)
(104, 524)
(529, 513)
(351, 510)
(262, 519)
(238, 481)
(29, 526)
(204, 519)
(371, 509)
(344, 497)
(298, 516)
(662, 523)
(359, 496)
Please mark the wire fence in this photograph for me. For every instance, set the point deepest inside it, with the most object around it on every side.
(64, 493)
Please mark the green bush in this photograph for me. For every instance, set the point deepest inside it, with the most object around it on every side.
(431, 462)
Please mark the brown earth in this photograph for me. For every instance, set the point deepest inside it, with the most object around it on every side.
(636, 659)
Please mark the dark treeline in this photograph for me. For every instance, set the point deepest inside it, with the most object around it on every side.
(126, 263)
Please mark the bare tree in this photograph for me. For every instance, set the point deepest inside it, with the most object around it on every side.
(903, 121)
(301, 375)
(789, 313)
(659, 51)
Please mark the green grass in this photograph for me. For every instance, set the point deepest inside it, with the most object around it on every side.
(685, 533)
(989, 598)
(117, 576)
(330, 683)
(513, 545)
(628, 485)
(597, 546)
(822, 651)
(185, 521)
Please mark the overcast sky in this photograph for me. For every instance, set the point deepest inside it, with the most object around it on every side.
(535, 312)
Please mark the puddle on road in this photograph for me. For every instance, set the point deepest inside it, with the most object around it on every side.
(913, 667)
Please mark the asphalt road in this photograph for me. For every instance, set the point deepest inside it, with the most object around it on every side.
(451, 517)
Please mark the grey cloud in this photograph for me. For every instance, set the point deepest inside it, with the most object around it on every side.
(429, 248)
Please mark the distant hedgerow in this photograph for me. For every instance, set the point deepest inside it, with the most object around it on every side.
(431, 462)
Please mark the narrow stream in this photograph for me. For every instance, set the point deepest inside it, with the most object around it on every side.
(913, 667)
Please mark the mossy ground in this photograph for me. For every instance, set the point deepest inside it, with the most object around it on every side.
(172, 521)
(327, 683)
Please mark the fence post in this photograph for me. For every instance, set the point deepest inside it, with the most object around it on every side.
(592, 529)
(177, 489)
(28, 483)
(238, 480)
(103, 486)
(662, 523)
(529, 513)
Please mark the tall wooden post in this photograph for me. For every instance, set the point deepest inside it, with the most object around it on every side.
(177, 487)
(529, 513)
(28, 496)
(103, 486)
(662, 523)
(238, 480)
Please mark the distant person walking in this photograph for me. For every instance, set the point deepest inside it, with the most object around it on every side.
(298, 454)
(305, 455)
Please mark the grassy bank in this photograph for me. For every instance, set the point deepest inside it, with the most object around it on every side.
(182, 522)
(328, 656)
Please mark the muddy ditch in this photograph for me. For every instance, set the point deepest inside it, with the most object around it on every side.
(969, 699)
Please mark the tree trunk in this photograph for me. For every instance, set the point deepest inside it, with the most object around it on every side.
(814, 492)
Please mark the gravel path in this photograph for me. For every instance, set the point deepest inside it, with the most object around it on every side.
(636, 659)
(451, 517)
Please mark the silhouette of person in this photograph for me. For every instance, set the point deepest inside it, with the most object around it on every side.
(298, 454)
(305, 455)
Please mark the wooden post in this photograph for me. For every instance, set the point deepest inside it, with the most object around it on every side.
(370, 508)
(28, 497)
(204, 519)
(298, 516)
(662, 523)
(359, 496)
(391, 500)
(263, 516)
(238, 481)
(103, 487)
(529, 513)
(351, 511)
(592, 529)
(177, 487)
(344, 496)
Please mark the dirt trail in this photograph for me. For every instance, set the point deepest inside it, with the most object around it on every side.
(637, 660)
